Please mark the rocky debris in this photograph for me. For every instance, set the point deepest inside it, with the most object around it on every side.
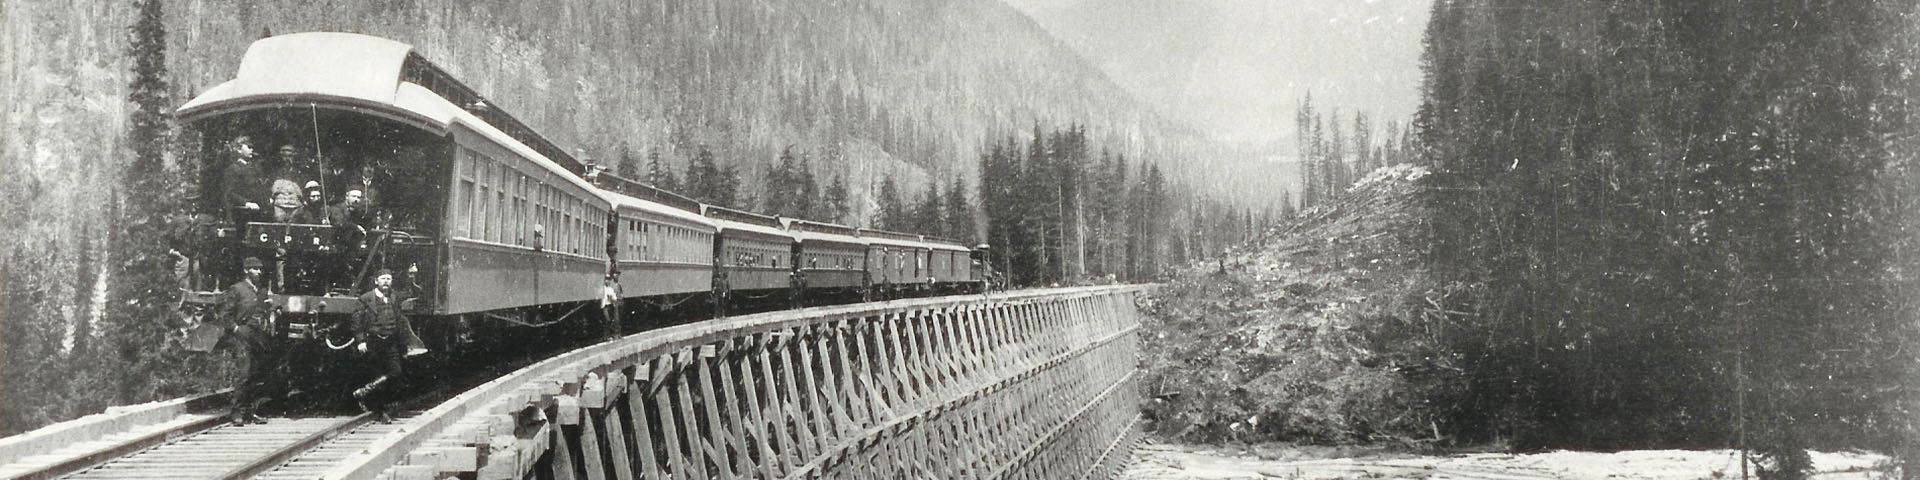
(1306, 334)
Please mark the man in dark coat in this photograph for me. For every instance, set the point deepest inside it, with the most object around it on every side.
(349, 218)
(313, 210)
(243, 184)
(250, 327)
(383, 332)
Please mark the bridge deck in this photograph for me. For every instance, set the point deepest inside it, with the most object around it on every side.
(1035, 384)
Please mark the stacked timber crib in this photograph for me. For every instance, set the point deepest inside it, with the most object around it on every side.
(1024, 385)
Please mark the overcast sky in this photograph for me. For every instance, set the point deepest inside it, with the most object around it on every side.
(1239, 67)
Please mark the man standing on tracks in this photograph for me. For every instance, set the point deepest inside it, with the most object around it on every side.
(252, 328)
(383, 331)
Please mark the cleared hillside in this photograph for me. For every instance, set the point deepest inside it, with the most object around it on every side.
(1321, 331)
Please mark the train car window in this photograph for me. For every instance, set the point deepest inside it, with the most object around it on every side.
(483, 178)
(483, 197)
(463, 198)
(500, 213)
(520, 211)
(550, 216)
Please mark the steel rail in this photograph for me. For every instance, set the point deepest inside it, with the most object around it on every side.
(121, 450)
(288, 452)
(133, 445)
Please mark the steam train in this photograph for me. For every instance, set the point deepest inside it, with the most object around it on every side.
(487, 224)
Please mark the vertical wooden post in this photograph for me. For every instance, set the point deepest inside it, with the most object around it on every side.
(799, 410)
(717, 440)
(638, 395)
(694, 457)
(595, 466)
(843, 377)
(562, 460)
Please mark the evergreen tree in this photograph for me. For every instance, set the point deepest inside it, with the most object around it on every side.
(1363, 161)
(727, 189)
(1336, 162)
(806, 191)
(783, 189)
(893, 214)
(959, 212)
(1307, 139)
(1606, 233)
(926, 216)
(627, 167)
(1318, 158)
(659, 175)
(834, 205)
(700, 172)
(131, 350)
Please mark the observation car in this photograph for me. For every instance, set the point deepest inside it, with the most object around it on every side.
(481, 214)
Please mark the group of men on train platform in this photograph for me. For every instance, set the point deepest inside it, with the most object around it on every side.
(381, 329)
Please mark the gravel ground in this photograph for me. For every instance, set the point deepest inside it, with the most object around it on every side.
(1162, 461)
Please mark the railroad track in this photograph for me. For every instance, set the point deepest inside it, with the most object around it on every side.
(202, 446)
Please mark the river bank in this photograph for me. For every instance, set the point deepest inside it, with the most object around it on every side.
(1157, 461)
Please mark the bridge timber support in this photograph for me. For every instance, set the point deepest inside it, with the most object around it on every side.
(1030, 384)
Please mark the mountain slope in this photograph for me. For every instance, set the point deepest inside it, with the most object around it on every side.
(1317, 332)
(903, 88)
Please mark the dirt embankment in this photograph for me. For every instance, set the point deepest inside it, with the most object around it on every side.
(1314, 333)
(1158, 462)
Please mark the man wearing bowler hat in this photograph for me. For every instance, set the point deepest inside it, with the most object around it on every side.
(383, 332)
(248, 314)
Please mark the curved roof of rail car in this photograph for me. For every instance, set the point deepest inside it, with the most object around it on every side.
(726, 224)
(620, 200)
(883, 237)
(798, 229)
(938, 244)
(345, 71)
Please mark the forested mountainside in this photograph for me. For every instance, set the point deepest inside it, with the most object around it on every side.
(1680, 222)
(871, 87)
(866, 89)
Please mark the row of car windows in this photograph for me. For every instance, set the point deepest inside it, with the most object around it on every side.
(657, 242)
(756, 254)
(496, 203)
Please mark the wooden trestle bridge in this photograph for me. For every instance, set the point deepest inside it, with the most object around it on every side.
(1029, 384)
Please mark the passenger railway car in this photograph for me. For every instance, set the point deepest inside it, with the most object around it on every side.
(481, 214)
(660, 249)
(896, 262)
(752, 258)
(950, 265)
(829, 260)
(489, 226)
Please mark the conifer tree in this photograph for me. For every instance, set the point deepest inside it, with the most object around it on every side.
(892, 211)
(660, 175)
(959, 212)
(926, 215)
(1363, 161)
(627, 166)
(141, 261)
(1307, 141)
(834, 204)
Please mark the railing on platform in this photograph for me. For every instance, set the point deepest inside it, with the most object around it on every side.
(1032, 384)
